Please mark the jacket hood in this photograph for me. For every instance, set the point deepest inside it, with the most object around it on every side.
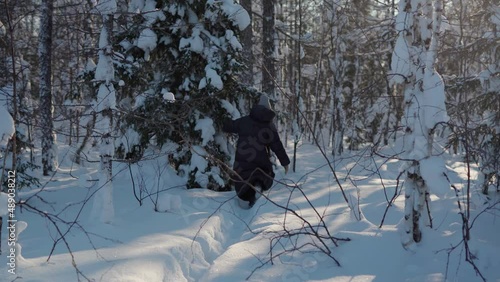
(261, 113)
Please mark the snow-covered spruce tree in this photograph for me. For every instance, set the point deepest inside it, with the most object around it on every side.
(180, 58)
(49, 153)
(105, 104)
(72, 52)
(474, 88)
(486, 106)
(489, 102)
(489, 162)
(418, 23)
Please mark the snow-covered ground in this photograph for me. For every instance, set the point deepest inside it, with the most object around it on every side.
(201, 235)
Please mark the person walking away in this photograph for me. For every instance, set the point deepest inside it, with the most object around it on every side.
(257, 136)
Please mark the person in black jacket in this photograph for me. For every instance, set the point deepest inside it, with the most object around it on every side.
(257, 135)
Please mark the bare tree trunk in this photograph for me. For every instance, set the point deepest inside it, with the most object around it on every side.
(268, 33)
(10, 25)
(45, 55)
(247, 42)
(89, 129)
(316, 108)
(297, 132)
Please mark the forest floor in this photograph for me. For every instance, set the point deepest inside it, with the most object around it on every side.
(177, 234)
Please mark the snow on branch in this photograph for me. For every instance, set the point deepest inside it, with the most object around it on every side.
(6, 126)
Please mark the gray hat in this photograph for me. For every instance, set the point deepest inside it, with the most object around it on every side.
(264, 101)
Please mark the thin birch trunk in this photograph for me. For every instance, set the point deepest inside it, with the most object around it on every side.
(247, 43)
(268, 71)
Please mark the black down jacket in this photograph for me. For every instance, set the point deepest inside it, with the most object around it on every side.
(257, 135)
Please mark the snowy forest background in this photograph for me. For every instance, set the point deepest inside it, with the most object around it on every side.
(112, 84)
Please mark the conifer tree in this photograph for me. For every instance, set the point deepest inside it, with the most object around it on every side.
(180, 61)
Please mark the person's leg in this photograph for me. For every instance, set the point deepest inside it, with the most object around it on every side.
(259, 187)
(243, 204)
(267, 185)
(246, 195)
(266, 179)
